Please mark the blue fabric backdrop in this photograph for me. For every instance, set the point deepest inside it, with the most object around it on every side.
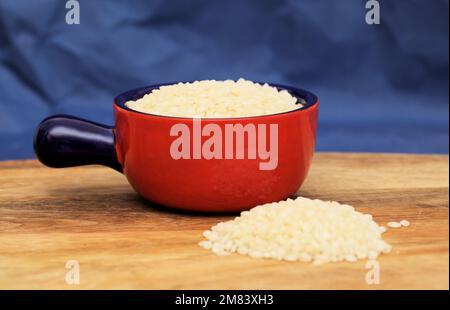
(383, 88)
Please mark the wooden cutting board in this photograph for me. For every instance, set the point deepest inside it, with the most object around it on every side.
(91, 215)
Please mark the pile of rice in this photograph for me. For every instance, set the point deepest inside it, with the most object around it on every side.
(215, 99)
(300, 230)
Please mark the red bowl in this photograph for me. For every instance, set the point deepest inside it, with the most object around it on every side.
(139, 146)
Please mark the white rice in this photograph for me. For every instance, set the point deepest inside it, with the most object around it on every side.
(402, 223)
(405, 223)
(394, 224)
(300, 230)
(215, 99)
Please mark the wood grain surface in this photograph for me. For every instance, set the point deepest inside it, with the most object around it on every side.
(91, 214)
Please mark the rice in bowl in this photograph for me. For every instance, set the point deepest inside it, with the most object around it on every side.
(216, 99)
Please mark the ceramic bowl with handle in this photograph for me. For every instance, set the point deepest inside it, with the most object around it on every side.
(139, 146)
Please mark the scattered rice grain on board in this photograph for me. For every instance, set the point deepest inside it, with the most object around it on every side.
(394, 224)
(404, 223)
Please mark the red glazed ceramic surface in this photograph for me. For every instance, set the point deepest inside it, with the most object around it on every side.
(216, 185)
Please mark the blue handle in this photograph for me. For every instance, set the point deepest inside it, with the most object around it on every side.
(66, 141)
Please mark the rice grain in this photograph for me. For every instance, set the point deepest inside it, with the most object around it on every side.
(216, 99)
(300, 230)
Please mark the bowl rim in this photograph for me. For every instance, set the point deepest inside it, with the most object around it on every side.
(134, 94)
